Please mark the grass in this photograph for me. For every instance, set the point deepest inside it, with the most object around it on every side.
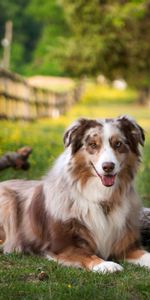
(19, 274)
(19, 280)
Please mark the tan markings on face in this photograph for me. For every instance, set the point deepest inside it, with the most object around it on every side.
(93, 141)
(118, 144)
(80, 169)
(93, 144)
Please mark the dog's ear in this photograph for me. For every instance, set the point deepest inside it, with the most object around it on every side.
(133, 132)
(72, 130)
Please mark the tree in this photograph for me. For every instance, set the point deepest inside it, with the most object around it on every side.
(49, 52)
(111, 37)
(39, 31)
(25, 31)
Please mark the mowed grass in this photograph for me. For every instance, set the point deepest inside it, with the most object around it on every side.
(19, 274)
(19, 280)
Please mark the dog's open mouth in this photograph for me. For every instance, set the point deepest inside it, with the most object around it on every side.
(107, 180)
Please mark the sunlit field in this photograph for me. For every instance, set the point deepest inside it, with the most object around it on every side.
(19, 274)
(46, 136)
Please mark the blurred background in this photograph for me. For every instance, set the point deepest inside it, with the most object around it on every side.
(78, 38)
(62, 59)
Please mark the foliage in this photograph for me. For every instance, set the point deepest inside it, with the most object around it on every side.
(51, 46)
(111, 37)
(19, 273)
(60, 37)
(38, 30)
(25, 31)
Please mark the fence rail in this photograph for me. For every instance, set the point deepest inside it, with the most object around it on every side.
(20, 100)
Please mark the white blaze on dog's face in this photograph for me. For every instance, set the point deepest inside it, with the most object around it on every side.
(108, 158)
(100, 147)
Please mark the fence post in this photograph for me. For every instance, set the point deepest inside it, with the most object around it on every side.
(6, 43)
(20, 100)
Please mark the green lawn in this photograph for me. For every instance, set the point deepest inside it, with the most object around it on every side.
(19, 274)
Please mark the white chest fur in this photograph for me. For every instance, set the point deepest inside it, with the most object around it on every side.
(85, 206)
(106, 229)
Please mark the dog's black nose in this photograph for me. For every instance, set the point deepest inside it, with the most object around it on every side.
(108, 166)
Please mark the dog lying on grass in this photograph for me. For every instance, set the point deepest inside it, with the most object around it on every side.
(85, 211)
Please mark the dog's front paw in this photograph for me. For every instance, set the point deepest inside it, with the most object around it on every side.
(107, 267)
(143, 261)
(11, 247)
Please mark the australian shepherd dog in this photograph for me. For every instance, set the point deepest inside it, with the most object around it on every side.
(85, 212)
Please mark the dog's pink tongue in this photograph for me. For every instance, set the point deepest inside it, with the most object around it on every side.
(108, 180)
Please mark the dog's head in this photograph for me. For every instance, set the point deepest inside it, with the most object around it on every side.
(102, 148)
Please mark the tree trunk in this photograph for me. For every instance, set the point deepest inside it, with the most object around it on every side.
(144, 96)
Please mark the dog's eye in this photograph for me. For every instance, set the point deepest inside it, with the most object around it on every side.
(118, 144)
(93, 145)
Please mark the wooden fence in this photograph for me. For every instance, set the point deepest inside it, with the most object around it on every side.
(19, 100)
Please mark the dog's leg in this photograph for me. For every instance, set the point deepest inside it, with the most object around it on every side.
(139, 257)
(2, 235)
(11, 243)
(78, 258)
(2, 238)
(129, 249)
(9, 221)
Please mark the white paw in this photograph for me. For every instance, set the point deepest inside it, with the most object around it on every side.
(49, 257)
(9, 248)
(107, 267)
(143, 261)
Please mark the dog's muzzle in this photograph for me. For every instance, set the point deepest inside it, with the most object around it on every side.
(108, 179)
